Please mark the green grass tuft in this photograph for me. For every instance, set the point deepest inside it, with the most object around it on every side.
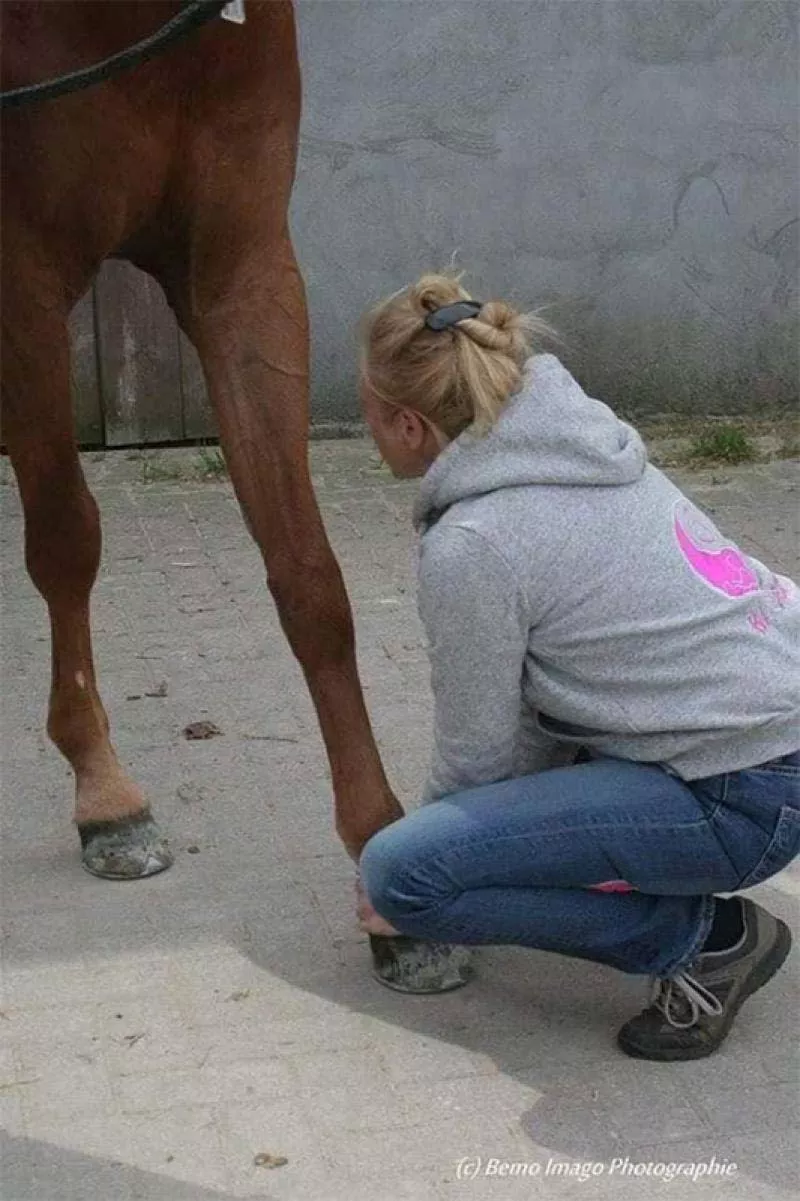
(724, 444)
(211, 463)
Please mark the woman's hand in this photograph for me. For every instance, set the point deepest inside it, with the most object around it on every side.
(369, 921)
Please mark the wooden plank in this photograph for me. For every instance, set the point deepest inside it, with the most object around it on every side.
(140, 370)
(198, 416)
(84, 380)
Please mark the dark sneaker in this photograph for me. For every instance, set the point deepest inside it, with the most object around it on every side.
(691, 1012)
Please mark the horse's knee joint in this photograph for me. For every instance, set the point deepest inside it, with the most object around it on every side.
(62, 537)
(305, 582)
(314, 612)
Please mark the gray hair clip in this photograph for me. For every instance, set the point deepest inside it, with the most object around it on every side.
(451, 314)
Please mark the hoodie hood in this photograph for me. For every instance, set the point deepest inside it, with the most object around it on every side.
(550, 432)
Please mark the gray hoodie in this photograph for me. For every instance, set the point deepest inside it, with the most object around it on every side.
(573, 596)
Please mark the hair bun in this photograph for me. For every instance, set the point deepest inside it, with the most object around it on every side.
(433, 292)
(496, 327)
(498, 314)
(458, 382)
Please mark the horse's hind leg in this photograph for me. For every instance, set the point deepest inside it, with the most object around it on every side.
(62, 550)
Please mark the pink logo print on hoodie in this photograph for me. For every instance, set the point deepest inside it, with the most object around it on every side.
(723, 567)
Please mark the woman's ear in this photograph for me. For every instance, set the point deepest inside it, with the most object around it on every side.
(410, 428)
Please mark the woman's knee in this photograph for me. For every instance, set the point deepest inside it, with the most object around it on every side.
(390, 873)
(379, 868)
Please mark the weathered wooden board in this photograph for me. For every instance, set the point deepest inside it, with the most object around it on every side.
(135, 378)
(139, 358)
(198, 416)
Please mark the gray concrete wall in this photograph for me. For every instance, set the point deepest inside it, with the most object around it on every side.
(632, 164)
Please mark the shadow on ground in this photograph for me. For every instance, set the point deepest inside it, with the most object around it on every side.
(543, 1020)
(71, 1176)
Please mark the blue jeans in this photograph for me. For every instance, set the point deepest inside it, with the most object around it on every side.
(515, 862)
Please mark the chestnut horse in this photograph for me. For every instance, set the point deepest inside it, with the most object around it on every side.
(183, 165)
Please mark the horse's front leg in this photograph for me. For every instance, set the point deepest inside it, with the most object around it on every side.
(252, 338)
(120, 840)
(254, 350)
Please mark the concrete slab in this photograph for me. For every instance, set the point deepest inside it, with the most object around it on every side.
(155, 1038)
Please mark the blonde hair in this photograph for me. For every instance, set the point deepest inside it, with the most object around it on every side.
(459, 377)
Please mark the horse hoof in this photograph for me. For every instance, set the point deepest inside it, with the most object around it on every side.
(124, 850)
(413, 966)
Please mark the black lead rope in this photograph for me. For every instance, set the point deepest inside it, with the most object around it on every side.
(195, 14)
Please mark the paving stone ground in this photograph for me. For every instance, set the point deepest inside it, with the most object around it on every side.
(157, 1036)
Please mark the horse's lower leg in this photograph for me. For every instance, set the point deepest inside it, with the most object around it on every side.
(252, 340)
(62, 550)
(254, 354)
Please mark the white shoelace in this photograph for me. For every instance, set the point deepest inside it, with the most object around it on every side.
(670, 995)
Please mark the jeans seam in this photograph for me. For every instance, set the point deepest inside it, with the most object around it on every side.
(703, 929)
(774, 852)
(465, 842)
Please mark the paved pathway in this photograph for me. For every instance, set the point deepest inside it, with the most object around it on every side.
(157, 1037)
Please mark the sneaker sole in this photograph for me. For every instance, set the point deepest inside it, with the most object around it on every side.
(761, 975)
